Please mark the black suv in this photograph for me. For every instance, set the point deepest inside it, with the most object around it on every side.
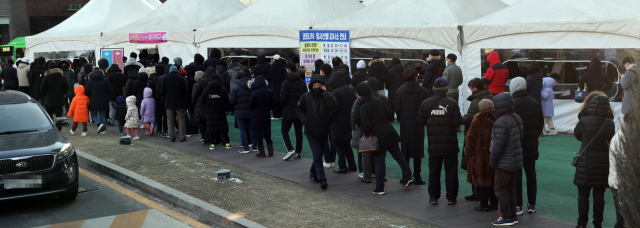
(35, 159)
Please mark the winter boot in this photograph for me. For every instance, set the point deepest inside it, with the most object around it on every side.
(260, 153)
(270, 148)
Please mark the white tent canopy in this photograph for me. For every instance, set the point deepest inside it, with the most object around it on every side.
(572, 24)
(510, 2)
(273, 23)
(178, 18)
(154, 3)
(82, 30)
(432, 22)
(368, 2)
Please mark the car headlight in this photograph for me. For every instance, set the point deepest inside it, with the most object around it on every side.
(66, 151)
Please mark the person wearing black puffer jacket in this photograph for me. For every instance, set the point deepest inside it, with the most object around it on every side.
(103, 64)
(131, 79)
(71, 80)
(36, 77)
(441, 115)
(378, 70)
(198, 61)
(290, 92)
(262, 102)
(240, 97)
(433, 70)
(199, 112)
(594, 78)
(276, 76)
(531, 113)
(53, 88)
(506, 156)
(360, 75)
(395, 80)
(116, 79)
(595, 129)
(138, 87)
(314, 111)
(534, 82)
(214, 58)
(215, 100)
(262, 67)
(160, 112)
(100, 94)
(340, 130)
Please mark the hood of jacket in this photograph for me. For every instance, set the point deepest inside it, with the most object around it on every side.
(361, 64)
(493, 58)
(316, 78)
(114, 68)
(236, 66)
(62, 62)
(130, 61)
(147, 93)
(55, 73)
(214, 85)
(337, 79)
(548, 83)
(261, 58)
(51, 64)
(259, 83)
(142, 77)
(88, 68)
(503, 103)
(97, 75)
(411, 87)
(398, 68)
(244, 83)
(23, 65)
(119, 100)
(293, 76)
(41, 61)
(517, 84)
(376, 61)
(595, 66)
(210, 72)
(216, 53)
(82, 60)
(160, 69)
(198, 59)
(533, 68)
(221, 68)
(79, 90)
(596, 104)
(177, 61)
(190, 70)
(131, 101)
(198, 75)
(373, 82)
(103, 63)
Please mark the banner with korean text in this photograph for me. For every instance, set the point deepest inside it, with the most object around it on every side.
(325, 45)
(148, 37)
(113, 55)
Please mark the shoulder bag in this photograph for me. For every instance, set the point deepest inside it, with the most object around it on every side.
(368, 144)
(574, 163)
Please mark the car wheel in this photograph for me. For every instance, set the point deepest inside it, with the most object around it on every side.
(72, 192)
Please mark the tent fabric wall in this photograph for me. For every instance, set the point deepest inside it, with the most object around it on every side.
(435, 22)
(566, 111)
(154, 3)
(260, 20)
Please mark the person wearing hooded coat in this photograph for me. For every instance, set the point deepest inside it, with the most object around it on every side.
(547, 96)
(214, 58)
(35, 81)
(378, 70)
(534, 81)
(198, 61)
(314, 112)
(530, 112)
(10, 76)
(147, 110)
(262, 67)
(235, 69)
(290, 92)
(84, 77)
(239, 98)
(595, 129)
(441, 116)
(174, 91)
(497, 75)
(131, 80)
(262, 102)
(79, 70)
(191, 73)
(53, 88)
(71, 80)
(138, 87)
(506, 155)
(277, 74)
(100, 94)
(477, 144)
(160, 113)
(215, 100)
(340, 128)
(117, 81)
(433, 70)
(23, 79)
(199, 112)
(132, 66)
(395, 80)
(360, 75)
(103, 64)
(408, 99)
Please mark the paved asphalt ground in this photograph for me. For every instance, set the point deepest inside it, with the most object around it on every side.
(100, 203)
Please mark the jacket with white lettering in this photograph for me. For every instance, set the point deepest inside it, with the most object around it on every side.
(442, 117)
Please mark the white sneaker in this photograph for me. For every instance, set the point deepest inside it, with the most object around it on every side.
(361, 175)
(326, 165)
(100, 127)
(289, 155)
(83, 134)
(519, 211)
(333, 164)
(242, 151)
(188, 136)
(141, 126)
(275, 118)
(103, 132)
(553, 132)
(136, 138)
(72, 132)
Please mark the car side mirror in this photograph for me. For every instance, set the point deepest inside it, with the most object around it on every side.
(61, 121)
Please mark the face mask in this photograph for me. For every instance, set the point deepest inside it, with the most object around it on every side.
(318, 91)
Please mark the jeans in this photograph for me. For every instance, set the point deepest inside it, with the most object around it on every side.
(505, 189)
(583, 205)
(102, 119)
(330, 152)
(171, 116)
(318, 145)
(286, 126)
(345, 155)
(402, 162)
(532, 183)
(451, 175)
(243, 126)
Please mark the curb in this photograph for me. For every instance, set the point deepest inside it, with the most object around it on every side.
(206, 213)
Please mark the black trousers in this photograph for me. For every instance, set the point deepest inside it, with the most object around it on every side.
(277, 111)
(202, 125)
(345, 155)
(487, 193)
(532, 183)
(224, 137)
(451, 175)
(318, 146)
(266, 138)
(583, 205)
(161, 118)
(54, 110)
(505, 189)
(619, 218)
(417, 166)
(286, 126)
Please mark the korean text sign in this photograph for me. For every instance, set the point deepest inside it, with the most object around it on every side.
(148, 37)
(325, 45)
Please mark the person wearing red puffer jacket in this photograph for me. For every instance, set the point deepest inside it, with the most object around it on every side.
(497, 75)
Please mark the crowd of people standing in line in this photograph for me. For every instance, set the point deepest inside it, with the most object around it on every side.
(501, 129)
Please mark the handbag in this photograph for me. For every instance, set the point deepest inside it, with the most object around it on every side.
(368, 144)
(581, 95)
(574, 163)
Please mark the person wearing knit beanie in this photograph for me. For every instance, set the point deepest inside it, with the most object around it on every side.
(173, 68)
(363, 90)
(485, 105)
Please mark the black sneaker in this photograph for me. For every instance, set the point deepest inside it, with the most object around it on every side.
(532, 209)
(297, 156)
(323, 184)
(378, 191)
(481, 208)
(452, 202)
(472, 197)
(313, 178)
(419, 181)
(492, 207)
(407, 183)
(433, 201)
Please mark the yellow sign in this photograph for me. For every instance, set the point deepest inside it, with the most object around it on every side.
(310, 47)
